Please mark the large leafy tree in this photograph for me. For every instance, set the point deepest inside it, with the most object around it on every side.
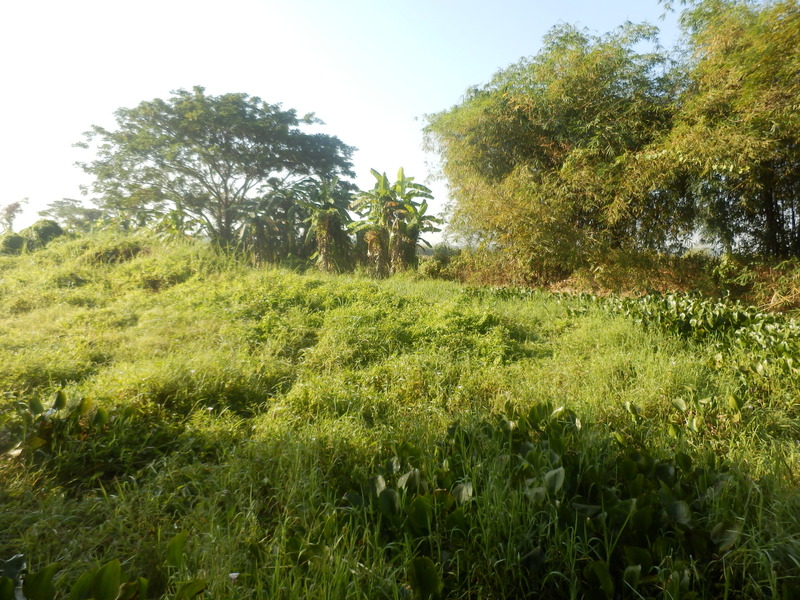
(217, 162)
(737, 134)
(538, 161)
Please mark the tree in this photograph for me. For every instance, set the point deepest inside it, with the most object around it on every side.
(9, 214)
(210, 159)
(72, 214)
(539, 160)
(736, 138)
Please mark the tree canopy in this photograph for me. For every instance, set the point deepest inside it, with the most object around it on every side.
(537, 159)
(208, 163)
(609, 141)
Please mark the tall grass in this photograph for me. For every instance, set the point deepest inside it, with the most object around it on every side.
(337, 437)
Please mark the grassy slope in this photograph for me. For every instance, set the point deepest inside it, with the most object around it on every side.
(255, 409)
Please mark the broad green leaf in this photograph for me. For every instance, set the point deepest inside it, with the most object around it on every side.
(6, 588)
(639, 556)
(100, 417)
(679, 512)
(425, 578)
(35, 442)
(632, 575)
(35, 405)
(463, 492)
(684, 462)
(725, 535)
(389, 503)
(420, 512)
(12, 567)
(39, 585)
(191, 589)
(82, 588)
(175, 547)
(554, 480)
(60, 401)
(105, 585)
(680, 404)
(600, 570)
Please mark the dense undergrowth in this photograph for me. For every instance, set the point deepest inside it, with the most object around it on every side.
(171, 415)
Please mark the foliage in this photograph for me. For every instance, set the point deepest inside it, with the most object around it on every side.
(539, 159)
(73, 215)
(209, 160)
(259, 433)
(394, 222)
(736, 134)
(9, 214)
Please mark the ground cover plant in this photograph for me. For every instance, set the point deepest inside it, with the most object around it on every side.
(177, 424)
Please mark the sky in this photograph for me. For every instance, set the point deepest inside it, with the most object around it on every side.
(370, 69)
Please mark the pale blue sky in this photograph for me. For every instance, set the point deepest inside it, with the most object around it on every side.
(370, 69)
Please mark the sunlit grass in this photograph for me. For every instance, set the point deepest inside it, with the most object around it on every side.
(254, 409)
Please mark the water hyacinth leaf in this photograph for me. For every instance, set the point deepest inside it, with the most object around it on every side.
(82, 588)
(627, 469)
(587, 510)
(60, 401)
(683, 461)
(412, 482)
(425, 578)
(105, 585)
(420, 512)
(389, 503)
(444, 499)
(679, 512)
(554, 480)
(39, 585)
(175, 547)
(680, 404)
(600, 570)
(537, 495)
(375, 486)
(734, 404)
(463, 492)
(191, 589)
(665, 472)
(632, 575)
(393, 465)
(639, 556)
(725, 535)
(100, 417)
(6, 588)
(130, 590)
(642, 518)
(456, 521)
(12, 567)
(84, 406)
(35, 406)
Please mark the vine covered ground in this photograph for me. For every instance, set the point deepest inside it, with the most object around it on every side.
(175, 424)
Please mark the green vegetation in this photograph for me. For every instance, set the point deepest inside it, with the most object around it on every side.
(601, 144)
(176, 423)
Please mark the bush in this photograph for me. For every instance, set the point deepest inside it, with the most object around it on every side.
(12, 243)
(42, 232)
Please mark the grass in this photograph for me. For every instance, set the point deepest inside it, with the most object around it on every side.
(337, 437)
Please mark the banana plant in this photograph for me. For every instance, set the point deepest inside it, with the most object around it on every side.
(392, 225)
(328, 219)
